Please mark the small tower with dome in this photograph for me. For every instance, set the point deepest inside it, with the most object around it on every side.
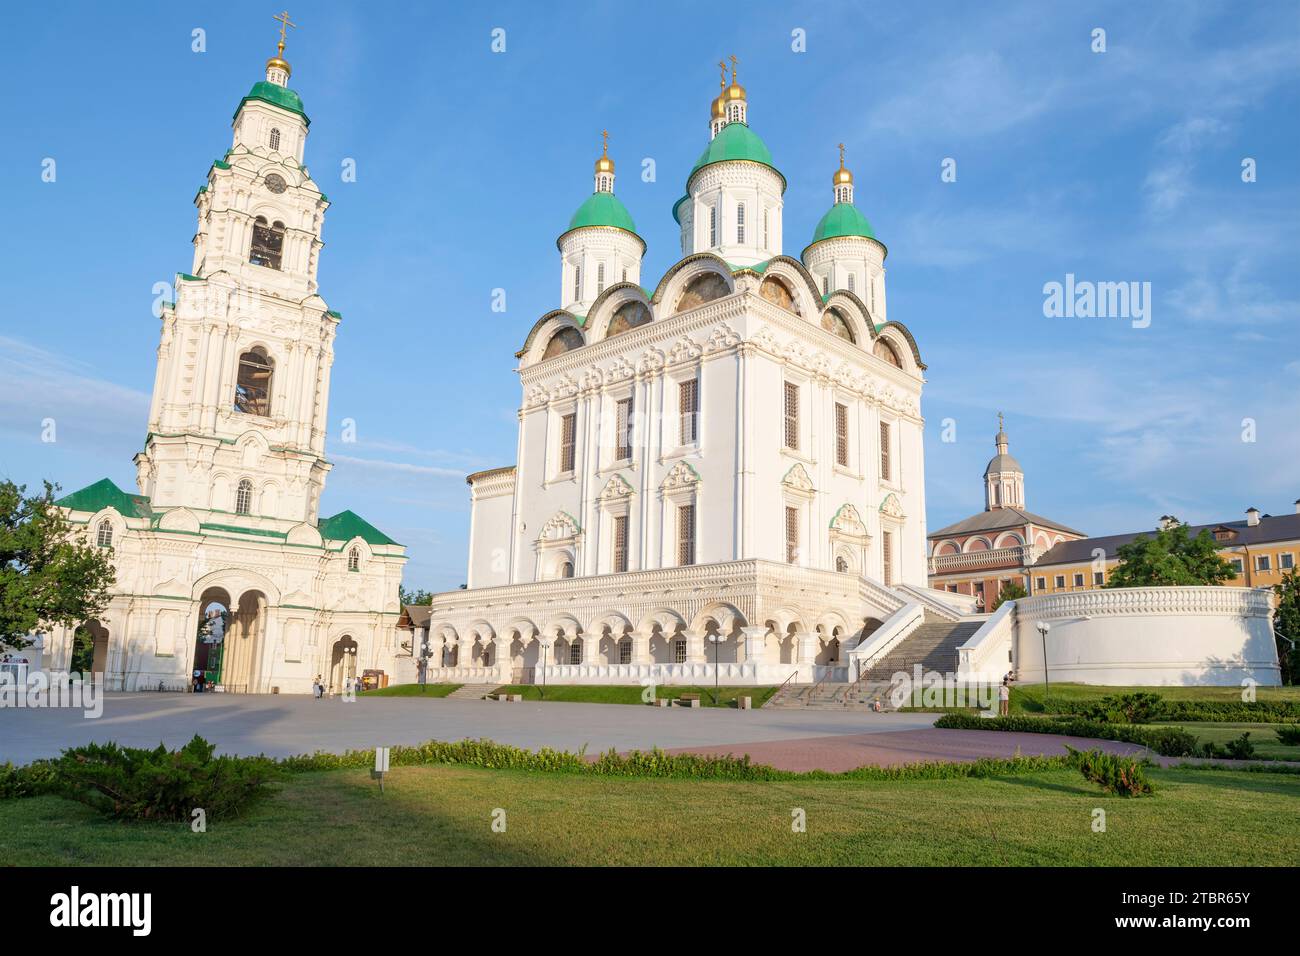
(1004, 479)
(600, 247)
(845, 255)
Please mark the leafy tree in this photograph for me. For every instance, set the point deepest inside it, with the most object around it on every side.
(1286, 623)
(418, 596)
(48, 573)
(1172, 557)
(1011, 591)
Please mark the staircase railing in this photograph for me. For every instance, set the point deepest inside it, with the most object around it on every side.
(781, 690)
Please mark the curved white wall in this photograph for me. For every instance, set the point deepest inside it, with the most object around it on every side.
(1149, 636)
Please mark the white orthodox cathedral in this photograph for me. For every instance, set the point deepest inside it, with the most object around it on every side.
(224, 565)
(725, 464)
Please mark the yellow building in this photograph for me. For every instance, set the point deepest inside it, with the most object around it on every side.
(1261, 547)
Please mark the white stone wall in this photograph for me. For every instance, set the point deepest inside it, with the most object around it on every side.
(1149, 636)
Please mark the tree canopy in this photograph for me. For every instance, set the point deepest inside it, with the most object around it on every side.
(1011, 591)
(49, 575)
(1171, 557)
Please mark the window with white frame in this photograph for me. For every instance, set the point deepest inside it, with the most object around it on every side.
(575, 651)
(625, 651)
(826, 285)
(1098, 578)
(104, 536)
(791, 535)
(244, 497)
(275, 139)
(600, 278)
(1078, 580)
(1237, 566)
(887, 556)
(354, 560)
(1286, 561)
(1059, 583)
(1040, 584)
(619, 563)
(577, 283)
(886, 471)
(713, 225)
(679, 651)
(623, 429)
(740, 224)
(767, 244)
(841, 434)
(688, 408)
(851, 289)
(568, 437)
(791, 415)
(685, 534)
(1263, 562)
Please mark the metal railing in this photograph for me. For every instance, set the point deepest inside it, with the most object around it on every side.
(781, 690)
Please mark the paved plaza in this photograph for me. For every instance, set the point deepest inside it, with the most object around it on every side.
(285, 725)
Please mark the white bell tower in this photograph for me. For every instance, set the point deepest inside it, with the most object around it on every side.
(238, 419)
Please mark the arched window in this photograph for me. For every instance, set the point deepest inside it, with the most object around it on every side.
(563, 341)
(575, 651)
(577, 283)
(832, 321)
(629, 316)
(275, 139)
(354, 559)
(253, 383)
(600, 278)
(104, 536)
(883, 350)
(713, 225)
(566, 569)
(268, 243)
(703, 288)
(740, 224)
(244, 497)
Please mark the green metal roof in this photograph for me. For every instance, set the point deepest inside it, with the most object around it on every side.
(843, 219)
(602, 209)
(104, 494)
(280, 96)
(347, 525)
(736, 142)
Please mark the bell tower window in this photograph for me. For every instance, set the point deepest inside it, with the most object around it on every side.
(713, 225)
(268, 243)
(740, 224)
(244, 497)
(275, 139)
(253, 385)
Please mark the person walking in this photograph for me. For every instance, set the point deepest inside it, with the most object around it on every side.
(1004, 699)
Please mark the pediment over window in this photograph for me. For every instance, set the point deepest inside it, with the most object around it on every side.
(891, 507)
(797, 478)
(560, 526)
(848, 521)
(616, 487)
(681, 476)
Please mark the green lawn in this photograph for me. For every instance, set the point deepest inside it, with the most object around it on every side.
(442, 816)
(1263, 736)
(1028, 698)
(413, 690)
(631, 694)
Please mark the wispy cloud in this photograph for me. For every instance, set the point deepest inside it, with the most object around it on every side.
(405, 467)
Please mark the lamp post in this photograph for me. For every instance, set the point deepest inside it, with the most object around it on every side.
(717, 640)
(546, 650)
(1043, 628)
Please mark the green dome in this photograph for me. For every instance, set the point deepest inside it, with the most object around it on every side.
(280, 96)
(843, 219)
(736, 141)
(602, 209)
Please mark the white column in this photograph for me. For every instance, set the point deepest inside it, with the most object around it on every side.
(808, 646)
(640, 647)
(755, 639)
(694, 646)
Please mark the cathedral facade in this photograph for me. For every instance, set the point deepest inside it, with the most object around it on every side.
(723, 466)
(224, 565)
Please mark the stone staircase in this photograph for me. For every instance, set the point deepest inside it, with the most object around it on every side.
(933, 645)
(472, 692)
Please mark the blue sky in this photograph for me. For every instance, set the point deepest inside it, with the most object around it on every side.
(1115, 166)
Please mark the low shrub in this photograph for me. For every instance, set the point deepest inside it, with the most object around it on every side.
(1289, 734)
(1167, 741)
(1129, 708)
(1123, 776)
(32, 780)
(1139, 708)
(1239, 748)
(132, 783)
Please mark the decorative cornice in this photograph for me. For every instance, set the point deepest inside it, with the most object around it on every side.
(1250, 602)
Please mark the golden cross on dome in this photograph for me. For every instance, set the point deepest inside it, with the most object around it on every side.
(604, 135)
(285, 23)
(722, 80)
(734, 61)
(1001, 427)
(841, 145)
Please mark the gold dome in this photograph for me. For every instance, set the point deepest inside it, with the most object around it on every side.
(276, 63)
(734, 92)
(719, 110)
(842, 176)
(604, 165)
